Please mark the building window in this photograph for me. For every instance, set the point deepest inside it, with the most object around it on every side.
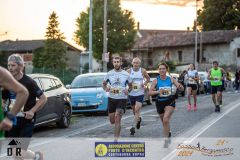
(180, 56)
(238, 52)
(198, 55)
(134, 54)
(204, 59)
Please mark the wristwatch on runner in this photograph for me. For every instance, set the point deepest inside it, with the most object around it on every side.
(12, 118)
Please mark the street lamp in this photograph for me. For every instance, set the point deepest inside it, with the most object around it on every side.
(90, 38)
(105, 55)
(196, 37)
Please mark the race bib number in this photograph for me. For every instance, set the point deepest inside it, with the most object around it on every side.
(116, 91)
(165, 91)
(136, 86)
(216, 79)
(191, 81)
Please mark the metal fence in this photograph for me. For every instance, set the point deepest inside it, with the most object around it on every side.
(66, 76)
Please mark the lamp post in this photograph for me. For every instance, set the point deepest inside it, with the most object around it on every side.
(80, 62)
(105, 54)
(196, 38)
(90, 38)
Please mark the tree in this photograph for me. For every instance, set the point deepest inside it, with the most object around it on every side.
(120, 24)
(219, 15)
(4, 58)
(38, 61)
(85, 68)
(54, 53)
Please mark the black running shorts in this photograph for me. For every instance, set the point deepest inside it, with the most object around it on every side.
(161, 105)
(114, 104)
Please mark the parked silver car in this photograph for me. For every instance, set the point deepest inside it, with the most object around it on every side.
(58, 107)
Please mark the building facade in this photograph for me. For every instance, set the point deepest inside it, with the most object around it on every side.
(179, 47)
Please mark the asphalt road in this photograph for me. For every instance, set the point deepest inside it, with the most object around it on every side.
(99, 126)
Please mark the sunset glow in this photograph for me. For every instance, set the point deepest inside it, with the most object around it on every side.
(28, 19)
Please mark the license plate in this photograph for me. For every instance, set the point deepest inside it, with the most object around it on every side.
(81, 104)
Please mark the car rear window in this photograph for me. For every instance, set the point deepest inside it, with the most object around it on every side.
(58, 84)
(48, 84)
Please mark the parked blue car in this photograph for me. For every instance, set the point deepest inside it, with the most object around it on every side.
(87, 94)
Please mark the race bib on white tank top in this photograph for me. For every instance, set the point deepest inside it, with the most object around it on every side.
(137, 82)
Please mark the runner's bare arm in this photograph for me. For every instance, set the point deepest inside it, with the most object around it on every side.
(40, 103)
(209, 75)
(128, 70)
(8, 82)
(152, 90)
(178, 85)
(104, 85)
(196, 77)
(224, 73)
(146, 76)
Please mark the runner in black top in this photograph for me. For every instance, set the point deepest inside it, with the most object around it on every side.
(25, 118)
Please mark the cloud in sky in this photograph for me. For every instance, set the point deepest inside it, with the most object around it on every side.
(168, 2)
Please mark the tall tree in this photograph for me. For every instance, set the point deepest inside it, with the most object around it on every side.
(54, 53)
(219, 15)
(120, 24)
(38, 61)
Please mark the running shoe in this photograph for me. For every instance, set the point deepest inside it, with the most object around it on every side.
(195, 107)
(38, 156)
(169, 134)
(169, 137)
(217, 109)
(166, 143)
(132, 131)
(139, 123)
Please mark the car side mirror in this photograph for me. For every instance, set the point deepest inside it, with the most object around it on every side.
(68, 86)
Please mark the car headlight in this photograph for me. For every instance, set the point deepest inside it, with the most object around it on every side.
(99, 95)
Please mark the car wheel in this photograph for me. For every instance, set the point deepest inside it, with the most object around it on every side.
(65, 118)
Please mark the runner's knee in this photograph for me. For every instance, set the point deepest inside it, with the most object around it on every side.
(119, 112)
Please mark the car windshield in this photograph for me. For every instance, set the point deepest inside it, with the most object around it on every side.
(88, 81)
(203, 76)
(153, 75)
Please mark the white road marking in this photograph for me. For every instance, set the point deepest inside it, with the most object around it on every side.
(172, 154)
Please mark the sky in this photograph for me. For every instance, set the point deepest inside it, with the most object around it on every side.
(28, 19)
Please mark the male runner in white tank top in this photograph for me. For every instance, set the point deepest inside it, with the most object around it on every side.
(140, 78)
